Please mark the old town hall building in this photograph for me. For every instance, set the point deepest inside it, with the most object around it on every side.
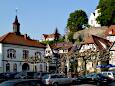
(19, 52)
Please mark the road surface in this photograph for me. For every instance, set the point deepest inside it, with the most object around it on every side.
(84, 85)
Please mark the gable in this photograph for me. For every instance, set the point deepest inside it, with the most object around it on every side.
(113, 47)
(101, 43)
(110, 30)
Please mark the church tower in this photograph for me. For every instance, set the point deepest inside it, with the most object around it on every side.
(16, 26)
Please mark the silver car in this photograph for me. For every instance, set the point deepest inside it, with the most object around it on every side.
(22, 82)
(58, 79)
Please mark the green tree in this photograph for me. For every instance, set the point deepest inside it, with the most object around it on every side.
(77, 21)
(79, 38)
(70, 37)
(107, 12)
(94, 56)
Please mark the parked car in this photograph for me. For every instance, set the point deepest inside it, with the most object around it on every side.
(30, 75)
(7, 75)
(95, 78)
(11, 75)
(102, 80)
(111, 84)
(57, 79)
(39, 75)
(25, 75)
(88, 78)
(21, 75)
(3, 76)
(109, 74)
(22, 82)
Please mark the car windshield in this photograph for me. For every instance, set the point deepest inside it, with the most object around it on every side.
(114, 73)
(101, 75)
(46, 76)
(30, 73)
(36, 74)
(105, 74)
(109, 73)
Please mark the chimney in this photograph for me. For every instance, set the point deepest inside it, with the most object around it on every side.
(25, 36)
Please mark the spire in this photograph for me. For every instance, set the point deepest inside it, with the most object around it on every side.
(16, 19)
(16, 25)
(56, 34)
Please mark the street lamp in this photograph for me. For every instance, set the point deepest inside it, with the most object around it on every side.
(48, 60)
(84, 58)
(74, 66)
(56, 56)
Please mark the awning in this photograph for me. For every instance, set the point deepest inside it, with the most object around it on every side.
(105, 66)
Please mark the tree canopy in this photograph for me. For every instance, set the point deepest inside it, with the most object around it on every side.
(107, 12)
(77, 20)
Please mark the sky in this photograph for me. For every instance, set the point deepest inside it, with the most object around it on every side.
(39, 17)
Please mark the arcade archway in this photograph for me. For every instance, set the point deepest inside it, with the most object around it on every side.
(25, 67)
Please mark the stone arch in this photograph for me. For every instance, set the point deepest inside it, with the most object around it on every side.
(25, 67)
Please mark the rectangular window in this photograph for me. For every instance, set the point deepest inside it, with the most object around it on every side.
(25, 54)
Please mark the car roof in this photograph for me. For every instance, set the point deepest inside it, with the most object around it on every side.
(107, 71)
(56, 74)
(20, 80)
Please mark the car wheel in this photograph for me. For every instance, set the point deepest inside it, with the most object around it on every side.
(98, 84)
(55, 84)
(73, 82)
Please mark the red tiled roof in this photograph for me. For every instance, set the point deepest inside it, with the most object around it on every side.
(49, 35)
(88, 40)
(110, 30)
(62, 45)
(12, 38)
(93, 39)
(99, 40)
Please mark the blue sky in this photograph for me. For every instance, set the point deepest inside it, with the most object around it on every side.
(39, 17)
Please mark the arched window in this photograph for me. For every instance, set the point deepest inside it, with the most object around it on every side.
(37, 54)
(11, 53)
(25, 54)
(15, 67)
(8, 67)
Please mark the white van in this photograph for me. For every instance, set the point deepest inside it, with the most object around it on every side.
(109, 74)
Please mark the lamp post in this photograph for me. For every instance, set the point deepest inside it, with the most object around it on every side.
(84, 58)
(74, 66)
(56, 56)
(48, 61)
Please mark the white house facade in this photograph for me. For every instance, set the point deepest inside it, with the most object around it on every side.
(93, 43)
(20, 53)
(13, 56)
(112, 51)
(110, 35)
(89, 66)
(92, 19)
(51, 37)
